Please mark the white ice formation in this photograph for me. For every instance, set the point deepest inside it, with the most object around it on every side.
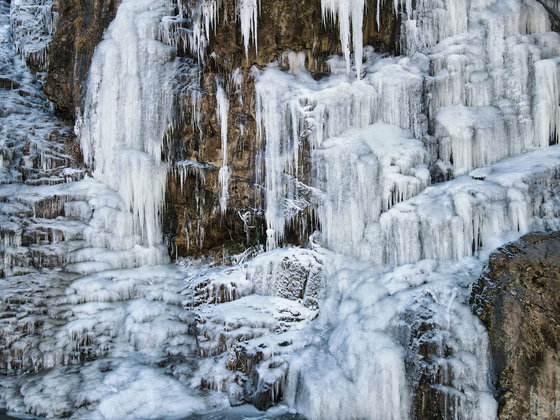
(222, 110)
(248, 13)
(127, 113)
(33, 24)
(419, 165)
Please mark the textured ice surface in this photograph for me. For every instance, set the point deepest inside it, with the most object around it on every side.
(420, 165)
(33, 25)
(128, 112)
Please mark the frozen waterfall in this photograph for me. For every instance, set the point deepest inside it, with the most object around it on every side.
(127, 113)
(399, 174)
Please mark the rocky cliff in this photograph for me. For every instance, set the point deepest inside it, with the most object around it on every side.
(518, 299)
(193, 222)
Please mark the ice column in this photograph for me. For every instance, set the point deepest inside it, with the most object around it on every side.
(222, 114)
(248, 13)
(128, 110)
(347, 13)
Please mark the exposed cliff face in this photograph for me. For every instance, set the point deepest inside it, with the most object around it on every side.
(195, 224)
(79, 29)
(518, 299)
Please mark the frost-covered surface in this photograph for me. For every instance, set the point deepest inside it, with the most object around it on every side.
(420, 165)
(33, 23)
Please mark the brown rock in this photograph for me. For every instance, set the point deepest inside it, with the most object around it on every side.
(79, 29)
(518, 299)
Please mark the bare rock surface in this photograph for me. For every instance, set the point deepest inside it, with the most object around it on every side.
(518, 299)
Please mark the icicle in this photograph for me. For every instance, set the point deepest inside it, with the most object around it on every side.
(347, 13)
(222, 111)
(128, 111)
(248, 14)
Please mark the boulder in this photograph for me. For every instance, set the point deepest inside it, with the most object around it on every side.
(518, 299)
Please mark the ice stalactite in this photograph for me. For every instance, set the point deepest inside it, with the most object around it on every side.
(222, 111)
(248, 15)
(348, 14)
(127, 113)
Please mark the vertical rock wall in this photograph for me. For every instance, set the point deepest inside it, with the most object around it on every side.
(518, 300)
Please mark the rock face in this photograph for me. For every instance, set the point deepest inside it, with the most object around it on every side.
(79, 29)
(193, 222)
(518, 298)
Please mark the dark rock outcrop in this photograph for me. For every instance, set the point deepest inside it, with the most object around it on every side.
(79, 29)
(518, 299)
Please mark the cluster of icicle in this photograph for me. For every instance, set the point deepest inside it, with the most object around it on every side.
(194, 25)
(33, 23)
(479, 83)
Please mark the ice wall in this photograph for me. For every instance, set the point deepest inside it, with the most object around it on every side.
(128, 110)
(392, 143)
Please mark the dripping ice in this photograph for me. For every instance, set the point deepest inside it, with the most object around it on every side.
(420, 165)
(126, 116)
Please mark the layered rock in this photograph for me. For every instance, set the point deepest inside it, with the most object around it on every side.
(518, 299)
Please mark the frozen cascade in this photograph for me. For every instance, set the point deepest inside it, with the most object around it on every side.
(222, 110)
(403, 222)
(126, 116)
(479, 84)
(67, 241)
